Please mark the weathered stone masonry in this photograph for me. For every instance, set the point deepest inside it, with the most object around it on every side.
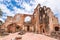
(42, 21)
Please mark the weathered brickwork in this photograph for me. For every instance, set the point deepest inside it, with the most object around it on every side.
(42, 21)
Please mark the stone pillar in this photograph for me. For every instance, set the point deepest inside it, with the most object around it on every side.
(31, 28)
(50, 14)
(23, 27)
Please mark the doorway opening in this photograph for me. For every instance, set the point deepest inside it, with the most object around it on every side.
(17, 27)
(43, 31)
(56, 28)
(27, 28)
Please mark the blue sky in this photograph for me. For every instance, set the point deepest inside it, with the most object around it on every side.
(12, 7)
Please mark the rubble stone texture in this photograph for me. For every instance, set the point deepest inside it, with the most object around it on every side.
(27, 36)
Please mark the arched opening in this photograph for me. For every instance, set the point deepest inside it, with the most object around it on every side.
(18, 28)
(56, 28)
(13, 28)
(27, 19)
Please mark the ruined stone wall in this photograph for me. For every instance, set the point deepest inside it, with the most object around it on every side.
(7, 22)
(42, 20)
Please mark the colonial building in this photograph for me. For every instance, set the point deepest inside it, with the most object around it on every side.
(42, 21)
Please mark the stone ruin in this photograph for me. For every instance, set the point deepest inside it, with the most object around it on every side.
(42, 21)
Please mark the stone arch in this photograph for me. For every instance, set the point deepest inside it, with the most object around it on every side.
(56, 28)
(18, 28)
(27, 19)
(13, 27)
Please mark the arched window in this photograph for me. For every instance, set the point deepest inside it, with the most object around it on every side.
(27, 19)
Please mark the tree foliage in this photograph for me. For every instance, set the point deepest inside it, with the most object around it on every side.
(0, 13)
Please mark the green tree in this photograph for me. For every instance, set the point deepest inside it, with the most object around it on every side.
(0, 13)
(1, 22)
(0, 17)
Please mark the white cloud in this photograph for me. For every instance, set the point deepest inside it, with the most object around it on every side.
(39, 1)
(8, 0)
(1, 19)
(26, 6)
(5, 10)
(19, 2)
(49, 3)
(1, 0)
(54, 5)
(17, 10)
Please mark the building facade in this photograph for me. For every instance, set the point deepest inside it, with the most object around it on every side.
(42, 21)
